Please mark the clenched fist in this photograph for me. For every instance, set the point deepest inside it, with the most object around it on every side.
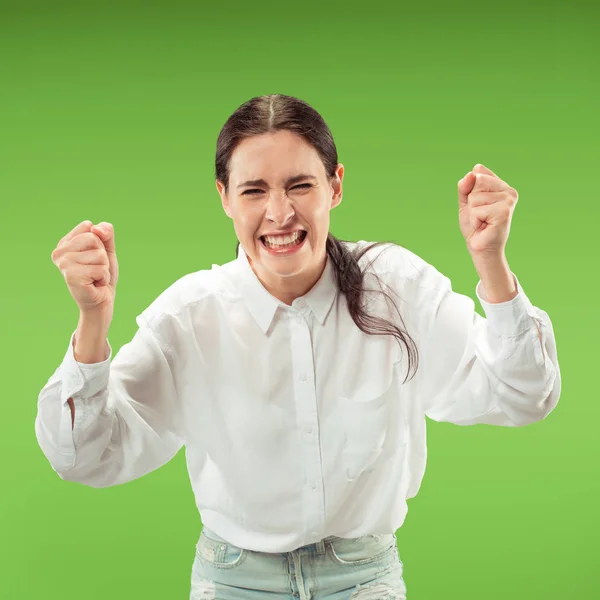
(87, 259)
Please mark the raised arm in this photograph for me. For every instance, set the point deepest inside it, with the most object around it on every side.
(99, 423)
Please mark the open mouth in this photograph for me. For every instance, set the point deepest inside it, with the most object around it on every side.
(283, 242)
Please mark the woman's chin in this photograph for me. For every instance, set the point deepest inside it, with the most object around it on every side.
(279, 269)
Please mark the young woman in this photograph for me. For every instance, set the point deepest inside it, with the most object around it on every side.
(297, 376)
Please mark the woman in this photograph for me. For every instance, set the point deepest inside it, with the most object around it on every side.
(290, 373)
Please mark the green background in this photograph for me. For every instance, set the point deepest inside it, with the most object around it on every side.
(111, 111)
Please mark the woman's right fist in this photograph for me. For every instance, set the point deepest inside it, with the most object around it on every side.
(86, 257)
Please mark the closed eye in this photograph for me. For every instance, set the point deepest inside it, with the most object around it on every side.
(251, 192)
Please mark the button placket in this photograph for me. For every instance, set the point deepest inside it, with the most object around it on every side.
(305, 395)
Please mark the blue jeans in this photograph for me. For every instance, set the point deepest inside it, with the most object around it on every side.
(365, 568)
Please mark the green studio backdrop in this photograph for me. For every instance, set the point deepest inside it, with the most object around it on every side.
(111, 111)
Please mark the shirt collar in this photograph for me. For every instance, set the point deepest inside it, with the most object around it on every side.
(263, 305)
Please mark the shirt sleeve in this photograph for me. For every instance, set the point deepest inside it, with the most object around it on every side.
(127, 413)
(499, 370)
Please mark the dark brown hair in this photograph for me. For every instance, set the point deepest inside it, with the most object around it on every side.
(274, 112)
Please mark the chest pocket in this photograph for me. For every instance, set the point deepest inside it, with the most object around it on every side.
(374, 422)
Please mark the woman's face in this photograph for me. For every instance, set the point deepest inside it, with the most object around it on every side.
(282, 223)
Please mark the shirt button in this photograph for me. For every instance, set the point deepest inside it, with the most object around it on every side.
(303, 377)
(309, 430)
(301, 303)
(313, 486)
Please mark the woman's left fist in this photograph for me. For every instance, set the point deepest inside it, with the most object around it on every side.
(485, 208)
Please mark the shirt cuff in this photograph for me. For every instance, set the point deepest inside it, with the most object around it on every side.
(81, 378)
(512, 317)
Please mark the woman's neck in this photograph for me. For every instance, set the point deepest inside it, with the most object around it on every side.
(287, 289)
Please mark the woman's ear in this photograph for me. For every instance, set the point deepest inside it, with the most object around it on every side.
(336, 185)
(224, 198)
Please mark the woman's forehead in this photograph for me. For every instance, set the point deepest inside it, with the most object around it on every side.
(276, 169)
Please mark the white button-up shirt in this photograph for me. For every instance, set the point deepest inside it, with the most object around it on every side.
(296, 424)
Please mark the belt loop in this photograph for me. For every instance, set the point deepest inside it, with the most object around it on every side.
(321, 547)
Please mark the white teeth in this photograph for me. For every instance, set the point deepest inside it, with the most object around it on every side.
(282, 240)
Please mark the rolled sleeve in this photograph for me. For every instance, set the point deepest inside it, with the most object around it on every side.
(501, 369)
(127, 414)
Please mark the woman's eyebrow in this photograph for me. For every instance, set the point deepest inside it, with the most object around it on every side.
(288, 181)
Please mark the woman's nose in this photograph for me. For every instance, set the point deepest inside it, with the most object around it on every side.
(279, 208)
